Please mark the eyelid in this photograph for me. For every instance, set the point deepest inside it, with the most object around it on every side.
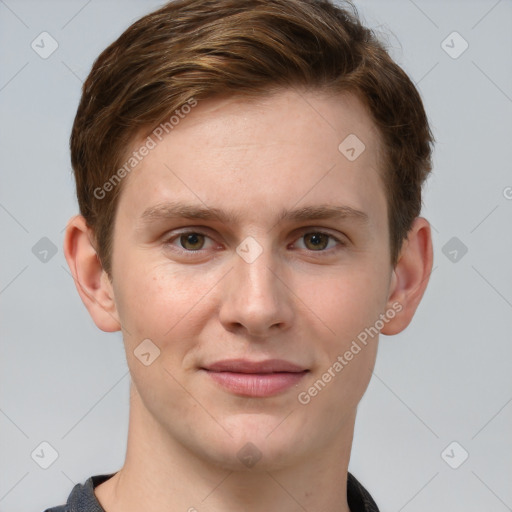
(326, 231)
(341, 241)
(169, 239)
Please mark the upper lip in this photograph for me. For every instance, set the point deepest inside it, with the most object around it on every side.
(246, 366)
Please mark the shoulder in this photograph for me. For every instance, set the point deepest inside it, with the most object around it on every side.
(82, 498)
(359, 499)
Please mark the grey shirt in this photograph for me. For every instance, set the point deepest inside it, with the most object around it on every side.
(83, 499)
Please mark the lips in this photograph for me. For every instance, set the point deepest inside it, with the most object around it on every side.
(255, 379)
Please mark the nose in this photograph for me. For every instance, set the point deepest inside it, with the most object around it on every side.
(256, 297)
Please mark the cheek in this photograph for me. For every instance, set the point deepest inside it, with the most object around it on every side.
(159, 305)
(348, 302)
(153, 299)
(350, 306)
(168, 306)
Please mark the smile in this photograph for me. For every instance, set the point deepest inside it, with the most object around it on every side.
(255, 379)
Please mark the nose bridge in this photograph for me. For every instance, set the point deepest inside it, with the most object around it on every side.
(253, 265)
(256, 297)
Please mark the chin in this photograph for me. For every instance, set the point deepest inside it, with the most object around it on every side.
(259, 442)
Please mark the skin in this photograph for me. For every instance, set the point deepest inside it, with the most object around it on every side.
(298, 301)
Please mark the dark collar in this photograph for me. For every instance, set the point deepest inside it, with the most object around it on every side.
(83, 499)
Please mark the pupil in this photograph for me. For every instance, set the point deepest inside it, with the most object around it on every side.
(192, 239)
(316, 239)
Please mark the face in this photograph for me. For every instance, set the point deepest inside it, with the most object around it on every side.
(253, 252)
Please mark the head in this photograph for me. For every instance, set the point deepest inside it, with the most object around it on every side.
(245, 109)
(192, 50)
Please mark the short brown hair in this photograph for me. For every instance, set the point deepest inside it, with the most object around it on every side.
(203, 48)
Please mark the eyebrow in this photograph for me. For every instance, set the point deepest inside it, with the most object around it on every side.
(175, 210)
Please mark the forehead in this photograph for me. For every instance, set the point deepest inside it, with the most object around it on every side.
(258, 156)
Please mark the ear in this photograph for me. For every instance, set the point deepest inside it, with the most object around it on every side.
(92, 282)
(410, 276)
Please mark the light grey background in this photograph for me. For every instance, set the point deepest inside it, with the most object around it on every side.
(446, 378)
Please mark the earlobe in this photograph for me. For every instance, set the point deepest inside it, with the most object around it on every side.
(92, 282)
(410, 276)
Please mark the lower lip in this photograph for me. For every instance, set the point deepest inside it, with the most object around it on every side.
(256, 384)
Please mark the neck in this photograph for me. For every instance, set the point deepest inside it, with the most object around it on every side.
(160, 474)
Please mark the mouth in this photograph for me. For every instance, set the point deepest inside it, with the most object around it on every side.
(255, 379)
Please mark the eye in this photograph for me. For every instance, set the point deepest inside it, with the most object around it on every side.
(318, 241)
(189, 241)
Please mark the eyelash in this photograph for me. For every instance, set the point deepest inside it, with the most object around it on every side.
(189, 253)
